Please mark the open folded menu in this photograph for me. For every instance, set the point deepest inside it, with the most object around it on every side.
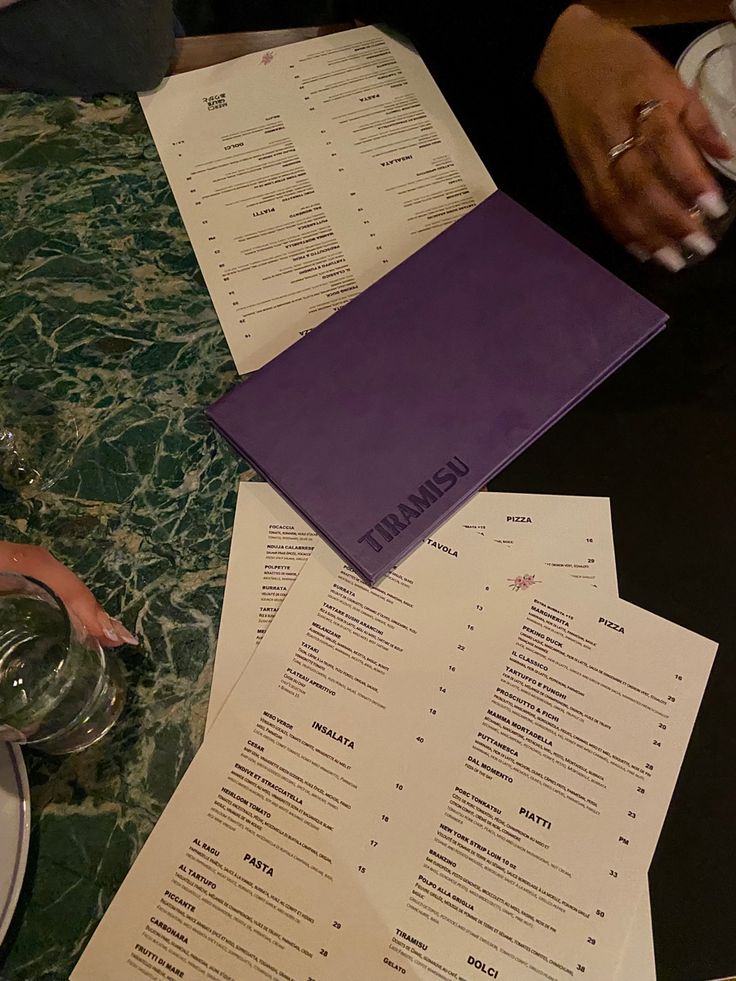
(304, 173)
(462, 773)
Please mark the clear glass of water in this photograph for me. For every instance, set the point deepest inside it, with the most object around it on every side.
(59, 690)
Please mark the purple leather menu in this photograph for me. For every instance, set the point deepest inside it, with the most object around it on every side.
(383, 420)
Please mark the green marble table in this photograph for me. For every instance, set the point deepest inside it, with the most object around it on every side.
(104, 310)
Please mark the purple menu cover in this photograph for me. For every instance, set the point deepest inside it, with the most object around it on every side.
(383, 420)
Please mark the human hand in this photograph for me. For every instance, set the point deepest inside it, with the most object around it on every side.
(31, 560)
(593, 74)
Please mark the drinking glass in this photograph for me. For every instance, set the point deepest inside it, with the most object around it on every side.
(60, 691)
(716, 83)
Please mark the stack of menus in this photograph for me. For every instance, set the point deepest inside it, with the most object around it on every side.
(460, 773)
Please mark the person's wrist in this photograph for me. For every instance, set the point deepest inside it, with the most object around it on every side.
(570, 26)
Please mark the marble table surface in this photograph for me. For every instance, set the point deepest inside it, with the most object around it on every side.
(103, 309)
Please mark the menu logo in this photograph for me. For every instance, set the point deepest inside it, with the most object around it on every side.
(218, 101)
(428, 493)
(611, 624)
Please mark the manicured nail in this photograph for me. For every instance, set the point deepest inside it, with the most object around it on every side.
(125, 634)
(712, 204)
(699, 242)
(638, 252)
(111, 635)
(670, 258)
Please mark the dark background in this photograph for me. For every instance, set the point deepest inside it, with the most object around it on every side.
(217, 16)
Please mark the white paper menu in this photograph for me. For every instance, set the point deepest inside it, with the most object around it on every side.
(305, 173)
(638, 961)
(433, 778)
(271, 543)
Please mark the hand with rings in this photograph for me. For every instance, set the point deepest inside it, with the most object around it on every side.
(635, 135)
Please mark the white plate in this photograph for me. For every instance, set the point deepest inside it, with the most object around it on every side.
(15, 829)
(693, 57)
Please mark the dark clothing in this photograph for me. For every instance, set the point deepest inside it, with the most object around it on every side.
(482, 35)
(81, 47)
(89, 46)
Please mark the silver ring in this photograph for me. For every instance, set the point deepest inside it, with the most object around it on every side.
(645, 109)
(621, 148)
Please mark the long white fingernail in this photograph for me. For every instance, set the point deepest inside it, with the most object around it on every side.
(699, 242)
(712, 204)
(111, 635)
(670, 258)
(638, 252)
(124, 633)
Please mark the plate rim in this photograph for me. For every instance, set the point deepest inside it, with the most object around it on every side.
(724, 33)
(24, 830)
